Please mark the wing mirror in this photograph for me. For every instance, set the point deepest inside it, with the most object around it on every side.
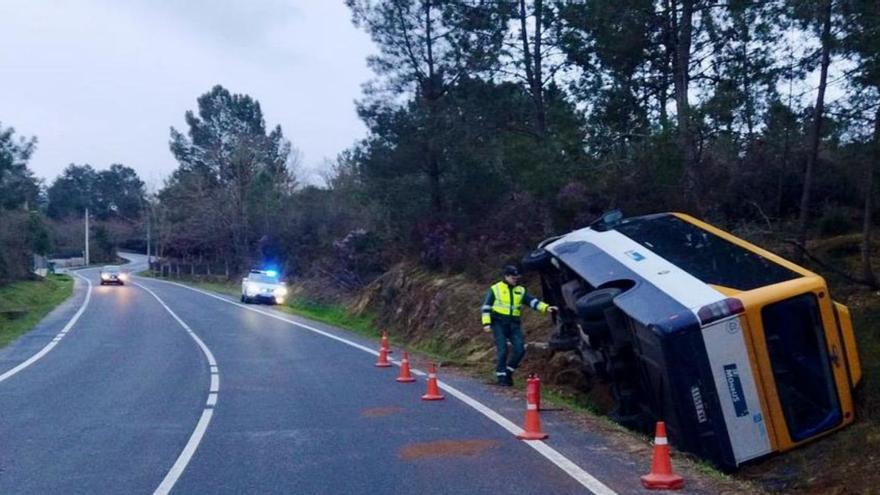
(607, 221)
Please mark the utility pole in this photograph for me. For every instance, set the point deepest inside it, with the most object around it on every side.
(87, 237)
(149, 210)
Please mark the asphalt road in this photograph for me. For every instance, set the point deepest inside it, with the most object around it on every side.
(157, 387)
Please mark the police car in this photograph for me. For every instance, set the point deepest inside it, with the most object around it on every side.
(741, 352)
(263, 286)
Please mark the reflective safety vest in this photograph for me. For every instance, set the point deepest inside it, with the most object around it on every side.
(502, 299)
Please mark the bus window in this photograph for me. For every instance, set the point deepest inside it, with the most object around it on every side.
(704, 255)
(799, 360)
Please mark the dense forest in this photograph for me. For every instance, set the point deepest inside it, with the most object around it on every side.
(494, 124)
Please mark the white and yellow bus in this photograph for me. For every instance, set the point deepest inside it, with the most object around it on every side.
(740, 351)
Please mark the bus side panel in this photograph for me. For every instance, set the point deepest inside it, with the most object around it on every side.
(849, 343)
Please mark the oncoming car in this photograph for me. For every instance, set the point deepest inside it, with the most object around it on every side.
(263, 286)
(113, 275)
(741, 352)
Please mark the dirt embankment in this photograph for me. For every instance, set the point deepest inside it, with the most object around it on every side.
(441, 314)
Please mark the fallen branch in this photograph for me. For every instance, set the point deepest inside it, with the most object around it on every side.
(763, 215)
(825, 266)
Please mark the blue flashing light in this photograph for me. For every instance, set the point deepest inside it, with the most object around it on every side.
(271, 273)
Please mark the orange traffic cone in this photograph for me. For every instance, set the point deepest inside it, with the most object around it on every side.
(383, 359)
(533, 386)
(433, 392)
(661, 476)
(532, 427)
(405, 375)
(384, 344)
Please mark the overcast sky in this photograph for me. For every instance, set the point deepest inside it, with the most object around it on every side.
(101, 81)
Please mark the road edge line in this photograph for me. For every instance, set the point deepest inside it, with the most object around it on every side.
(585, 479)
(56, 339)
(198, 433)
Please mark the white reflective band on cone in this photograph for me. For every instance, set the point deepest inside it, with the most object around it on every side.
(432, 375)
(660, 441)
(531, 407)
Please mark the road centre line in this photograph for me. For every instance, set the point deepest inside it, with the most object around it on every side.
(586, 480)
(202, 426)
(51, 345)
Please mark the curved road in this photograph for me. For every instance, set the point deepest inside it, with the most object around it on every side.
(159, 388)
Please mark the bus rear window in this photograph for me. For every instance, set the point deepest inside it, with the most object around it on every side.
(704, 255)
(795, 341)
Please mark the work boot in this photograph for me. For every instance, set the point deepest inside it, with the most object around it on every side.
(508, 379)
(501, 380)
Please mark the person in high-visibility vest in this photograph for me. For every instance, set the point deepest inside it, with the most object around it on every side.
(501, 315)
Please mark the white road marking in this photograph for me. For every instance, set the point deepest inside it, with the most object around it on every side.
(586, 480)
(196, 438)
(51, 345)
(188, 451)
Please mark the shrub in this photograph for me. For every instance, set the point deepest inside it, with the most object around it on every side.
(835, 221)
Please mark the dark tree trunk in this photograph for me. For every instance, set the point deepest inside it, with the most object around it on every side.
(431, 95)
(816, 129)
(538, 82)
(663, 97)
(533, 61)
(749, 107)
(786, 151)
(867, 227)
(682, 29)
(434, 181)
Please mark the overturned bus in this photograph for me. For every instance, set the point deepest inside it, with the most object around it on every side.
(739, 351)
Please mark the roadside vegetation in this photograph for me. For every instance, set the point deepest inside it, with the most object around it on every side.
(494, 125)
(24, 303)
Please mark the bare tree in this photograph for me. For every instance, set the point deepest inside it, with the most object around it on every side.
(815, 135)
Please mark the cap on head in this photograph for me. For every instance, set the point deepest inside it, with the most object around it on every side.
(511, 271)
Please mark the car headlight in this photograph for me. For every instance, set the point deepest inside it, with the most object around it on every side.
(281, 291)
(104, 276)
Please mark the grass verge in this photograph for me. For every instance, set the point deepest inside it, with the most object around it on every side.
(23, 304)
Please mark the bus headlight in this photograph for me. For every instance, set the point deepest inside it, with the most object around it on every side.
(281, 291)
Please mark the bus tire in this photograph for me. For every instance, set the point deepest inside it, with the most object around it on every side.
(593, 305)
(537, 260)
